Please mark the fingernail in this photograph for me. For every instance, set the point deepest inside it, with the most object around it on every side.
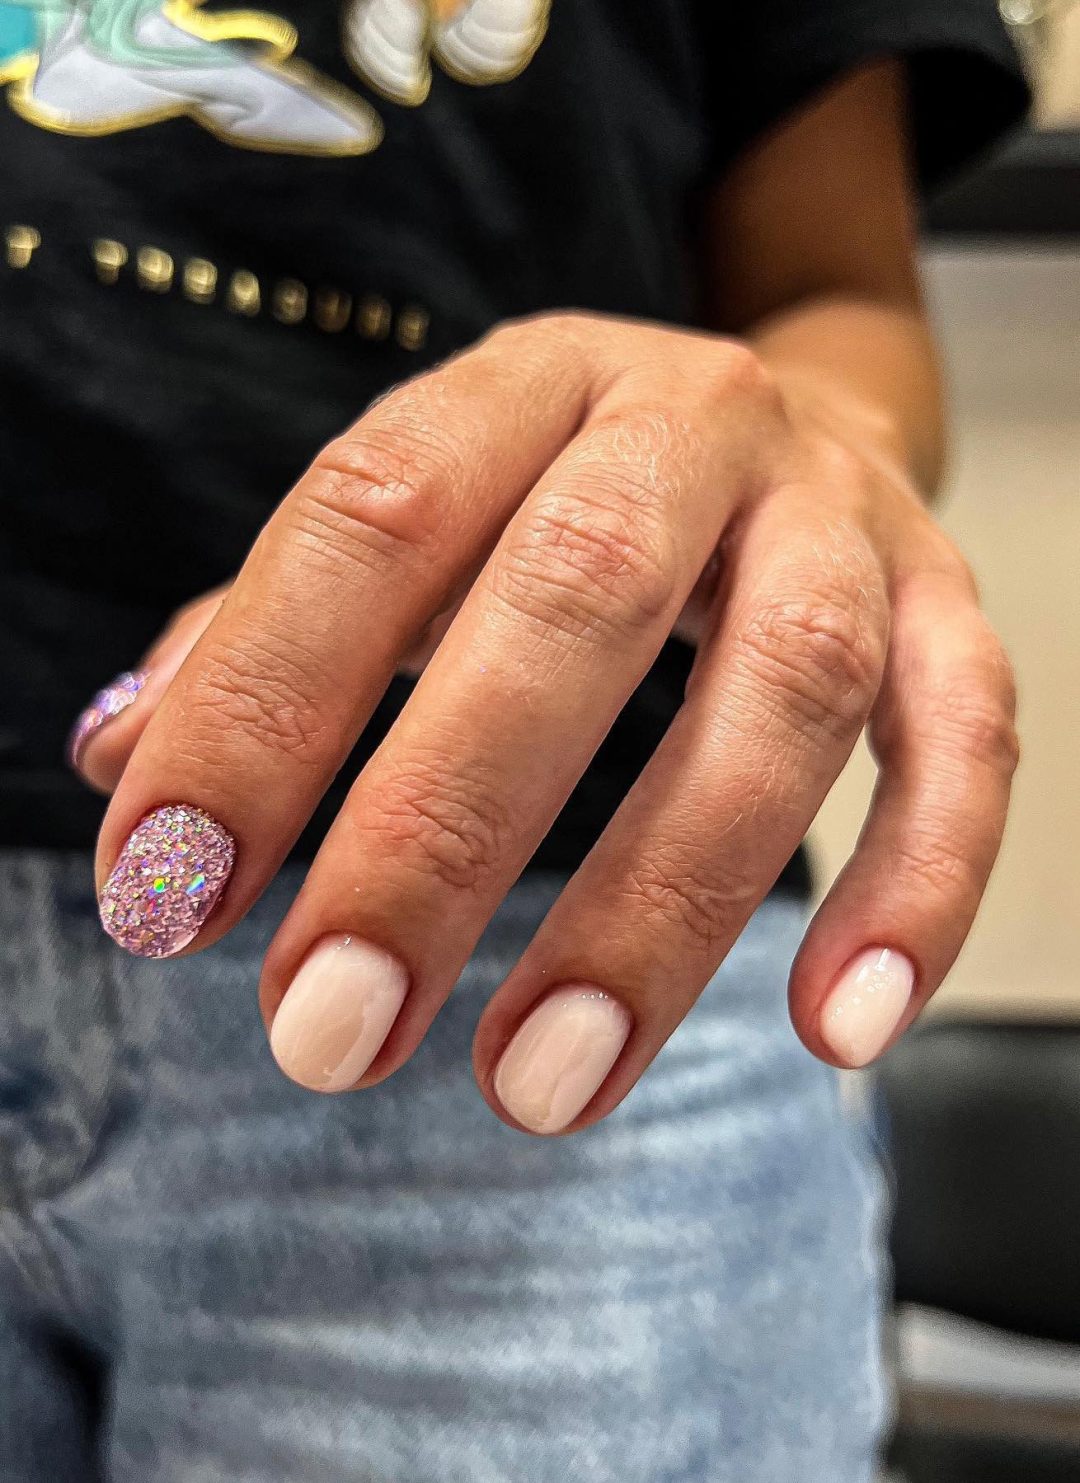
(167, 880)
(560, 1056)
(106, 704)
(337, 1012)
(865, 1005)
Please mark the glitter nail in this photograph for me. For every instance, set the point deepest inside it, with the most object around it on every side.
(167, 880)
(106, 704)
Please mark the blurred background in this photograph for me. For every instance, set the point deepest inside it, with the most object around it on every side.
(980, 1109)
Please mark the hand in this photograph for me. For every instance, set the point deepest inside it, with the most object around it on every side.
(574, 488)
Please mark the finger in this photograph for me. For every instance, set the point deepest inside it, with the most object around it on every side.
(376, 539)
(567, 617)
(894, 921)
(780, 693)
(104, 735)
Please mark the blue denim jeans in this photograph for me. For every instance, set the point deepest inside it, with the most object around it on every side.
(208, 1274)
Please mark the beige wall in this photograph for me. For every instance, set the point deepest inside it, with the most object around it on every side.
(1010, 323)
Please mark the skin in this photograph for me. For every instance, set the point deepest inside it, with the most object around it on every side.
(568, 493)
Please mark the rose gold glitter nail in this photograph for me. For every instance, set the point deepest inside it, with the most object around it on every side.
(167, 880)
(106, 704)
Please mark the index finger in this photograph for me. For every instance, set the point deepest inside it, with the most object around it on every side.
(390, 521)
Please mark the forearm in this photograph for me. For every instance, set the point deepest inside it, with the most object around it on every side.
(811, 254)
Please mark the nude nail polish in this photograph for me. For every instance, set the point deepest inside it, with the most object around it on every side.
(337, 1012)
(106, 704)
(865, 1005)
(560, 1057)
(167, 880)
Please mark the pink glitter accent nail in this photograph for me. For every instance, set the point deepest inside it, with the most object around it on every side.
(167, 881)
(106, 704)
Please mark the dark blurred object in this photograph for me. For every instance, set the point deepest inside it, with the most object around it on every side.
(1028, 188)
(985, 1142)
(983, 1127)
(949, 1459)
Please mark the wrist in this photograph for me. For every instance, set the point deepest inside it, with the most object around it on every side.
(866, 373)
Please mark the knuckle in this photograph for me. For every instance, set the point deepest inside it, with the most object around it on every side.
(637, 455)
(961, 571)
(718, 373)
(556, 322)
(939, 557)
(974, 719)
(262, 690)
(577, 567)
(821, 654)
(1001, 677)
(379, 493)
(1005, 688)
(838, 467)
(935, 865)
(740, 372)
(444, 820)
(703, 905)
(557, 326)
(631, 444)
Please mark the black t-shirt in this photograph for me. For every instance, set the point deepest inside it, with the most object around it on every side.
(226, 232)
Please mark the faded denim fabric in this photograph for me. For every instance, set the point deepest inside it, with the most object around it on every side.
(208, 1274)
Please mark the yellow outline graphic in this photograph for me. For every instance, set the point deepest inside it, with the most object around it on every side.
(279, 37)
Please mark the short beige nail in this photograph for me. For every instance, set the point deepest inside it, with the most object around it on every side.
(865, 1005)
(560, 1056)
(337, 1012)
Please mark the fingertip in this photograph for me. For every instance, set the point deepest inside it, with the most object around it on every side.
(560, 1057)
(99, 743)
(166, 881)
(337, 1013)
(863, 1010)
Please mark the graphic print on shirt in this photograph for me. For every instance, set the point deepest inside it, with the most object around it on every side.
(95, 67)
(101, 66)
(391, 42)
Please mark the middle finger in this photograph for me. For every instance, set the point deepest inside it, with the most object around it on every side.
(573, 607)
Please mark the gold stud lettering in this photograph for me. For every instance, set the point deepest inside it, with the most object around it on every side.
(373, 318)
(21, 242)
(244, 296)
(109, 258)
(290, 301)
(333, 310)
(200, 280)
(412, 327)
(154, 270)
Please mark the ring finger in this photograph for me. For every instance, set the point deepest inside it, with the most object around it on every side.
(778, 698)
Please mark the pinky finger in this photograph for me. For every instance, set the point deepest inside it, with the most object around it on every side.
(897, 916)
(104, 735)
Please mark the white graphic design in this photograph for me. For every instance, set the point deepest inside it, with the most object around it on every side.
(391, 42)
(100, 66)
